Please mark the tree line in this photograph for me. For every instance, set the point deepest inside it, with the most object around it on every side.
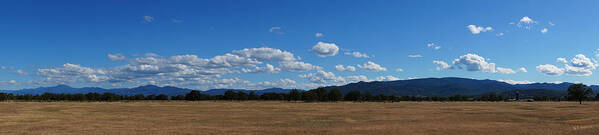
(576, 92)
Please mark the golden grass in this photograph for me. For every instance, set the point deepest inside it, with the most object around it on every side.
(208, 117)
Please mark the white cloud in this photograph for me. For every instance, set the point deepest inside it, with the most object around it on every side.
(562, 60)
(582, 61)
(318, 35)
(372, 66)
(342, 68)
(148, 19)
(398, 70)
(296, 66)
(21, 72)
(551, 23)
(544, 30)
(180, 70)
(434, 46)
(549, 69)
(282, 83)
(266, 54)
(116, 57)
(580, 65)
(357, 54)
(516, 82)
(505, 70)
(442, 65)
(273, 29)
(71, 72)
(414, 56)
(522, 69)
(322, 77)
(473, 62)
(499, 34)
(151, 55)
(3, 67)
(325, 49)
(526, 19)
(266, 69)
(526, 22)
(478, 29)
(577, 71)
(356, 78)
(387, 78)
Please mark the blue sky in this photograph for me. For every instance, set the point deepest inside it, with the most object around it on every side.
(293, 44)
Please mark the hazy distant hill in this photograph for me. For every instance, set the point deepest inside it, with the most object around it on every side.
(415, 87)
(534, 92)
(444, 87)
(146, 90)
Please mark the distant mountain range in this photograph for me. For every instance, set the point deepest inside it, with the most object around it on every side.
(447, 87)
(146, 90)
(415, 87)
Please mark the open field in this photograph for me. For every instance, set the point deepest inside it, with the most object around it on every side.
(298, 118)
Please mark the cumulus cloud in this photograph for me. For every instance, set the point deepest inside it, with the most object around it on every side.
(318, 35)
(516, 82)
(322, 77)
(549, 69)
(372, 66)
(297, 66)
(580, 65)
(21, 72)
(282, 83)
(434, 46)
(544, 30)
(356, 78)
(442, 65)
(266, 54)
(526, 22)
(387, 78)
(473, 62)
(562, 60)
(526, 19)
(151, 55)
(147, 19)
(522, 69)
(357, 54)
(274, 29)
(505, 70)
(180, 70)
(414, 56)
(266, 69)
(398, 70)
(343, 68)
(323, 49)
(499, 34)
(71, 72)
(478, 29)
(116, 57)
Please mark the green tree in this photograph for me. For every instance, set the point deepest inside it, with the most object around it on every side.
(230, 95)
(162, 97)
(353, 96)
(579, 92)
(242, 96)
(295, 95)
(253, 96)
(193, 95)
(321, 93)
(335, 95)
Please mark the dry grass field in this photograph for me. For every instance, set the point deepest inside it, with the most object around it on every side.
(299, 118)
